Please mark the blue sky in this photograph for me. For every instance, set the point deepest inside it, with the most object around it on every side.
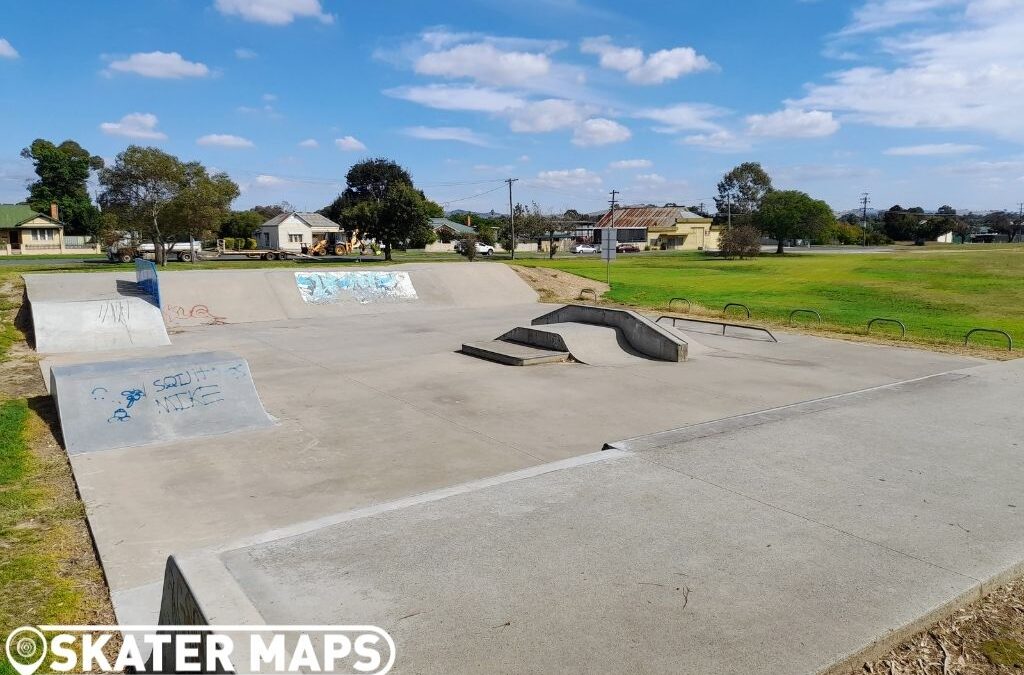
(915, 101)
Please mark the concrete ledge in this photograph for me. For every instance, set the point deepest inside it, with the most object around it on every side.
(513, 354)
(541, 339)
(642, 334)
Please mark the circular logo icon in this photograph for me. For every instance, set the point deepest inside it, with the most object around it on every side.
(26, 649)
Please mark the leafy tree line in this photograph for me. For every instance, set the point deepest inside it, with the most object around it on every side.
(63, 173)
(748, 202)
(146, 192)
(381, 202)
(915, 224)
(162, 199)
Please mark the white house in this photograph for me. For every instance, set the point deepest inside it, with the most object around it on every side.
(292, 231)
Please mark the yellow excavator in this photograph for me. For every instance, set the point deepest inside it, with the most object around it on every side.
(334, 243)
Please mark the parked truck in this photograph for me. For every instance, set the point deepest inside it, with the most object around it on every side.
(126, 251)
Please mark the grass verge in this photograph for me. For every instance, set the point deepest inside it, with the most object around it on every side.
(49, 573)
(939, 295)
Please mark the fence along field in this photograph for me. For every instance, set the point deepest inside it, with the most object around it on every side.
(939, 295)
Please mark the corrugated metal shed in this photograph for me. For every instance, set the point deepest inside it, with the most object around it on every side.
(650, 217)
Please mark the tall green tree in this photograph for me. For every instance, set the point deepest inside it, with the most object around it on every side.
(63, 172)
(400, 217)
(271, 210)
(741, 192)
(1005, 223)
(791, 214)
(529, 223)
(381, 201)
(903, 224)
(202, 202)
(367, 180)
(241, 223)
(139, 187)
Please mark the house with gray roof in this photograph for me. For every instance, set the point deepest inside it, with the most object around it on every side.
(292, 231)
(448, 229)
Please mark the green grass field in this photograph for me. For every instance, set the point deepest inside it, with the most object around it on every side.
(939, 294)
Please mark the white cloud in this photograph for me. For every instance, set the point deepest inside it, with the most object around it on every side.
(7, 50)
(658, 67)
(274, 12)
(547, 115)
(162, 65)
(600, 131)
(225, 141)
(793, 123)
(244, 53)
(568, 178)
(492, 62)
(808, 173)
(439, 38)
(349, 144)
(963, 70)
(987, 167)
(622, 59)
(650, 179)
(484, 63)
(268, 181)
(684, 117)
(631, 164)
(877, 15)
(502, 169)
(309, 143)
(459, 134)
(719, 141)
(135, 125)
(458, 97)
(932, 149)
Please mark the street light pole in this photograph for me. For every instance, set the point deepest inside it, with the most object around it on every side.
(511, 215)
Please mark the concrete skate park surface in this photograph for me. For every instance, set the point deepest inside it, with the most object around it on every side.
(376, 408)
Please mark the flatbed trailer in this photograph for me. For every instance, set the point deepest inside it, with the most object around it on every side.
(253, 253)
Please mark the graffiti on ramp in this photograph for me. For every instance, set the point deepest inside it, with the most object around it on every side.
(322, 288)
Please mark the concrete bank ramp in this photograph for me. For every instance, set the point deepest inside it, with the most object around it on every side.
(595, 336)
(587, 343)
(643, 335)
(135, 402)
(241, 296)
(88, 313)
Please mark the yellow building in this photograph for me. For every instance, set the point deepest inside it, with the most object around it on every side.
(24, 231)
(665, 228)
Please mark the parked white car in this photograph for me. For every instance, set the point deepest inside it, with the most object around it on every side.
(585, 248)
(481, 248)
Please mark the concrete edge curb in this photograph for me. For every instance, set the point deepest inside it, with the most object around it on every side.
(661, 439)
(883, 645)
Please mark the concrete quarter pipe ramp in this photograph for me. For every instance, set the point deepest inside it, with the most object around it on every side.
(87, 313)
(210, 297)
(115, 404)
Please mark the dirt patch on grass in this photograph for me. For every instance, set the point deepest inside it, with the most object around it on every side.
(986, 637)
(557, 286)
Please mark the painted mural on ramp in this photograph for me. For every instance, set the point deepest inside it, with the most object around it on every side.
(323, 288)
